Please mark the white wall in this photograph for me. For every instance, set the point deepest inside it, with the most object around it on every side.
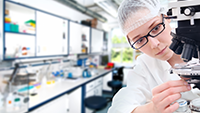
(1, 29)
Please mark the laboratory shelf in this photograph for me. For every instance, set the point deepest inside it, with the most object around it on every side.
(20, 33)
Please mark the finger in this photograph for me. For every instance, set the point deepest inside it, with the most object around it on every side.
(172, 108)
(168, 84)
(170, 99)
(183, 78)
(159, 97)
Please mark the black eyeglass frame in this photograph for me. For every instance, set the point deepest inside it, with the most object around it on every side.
(146, 36)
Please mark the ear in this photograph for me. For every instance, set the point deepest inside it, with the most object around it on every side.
(169, 20)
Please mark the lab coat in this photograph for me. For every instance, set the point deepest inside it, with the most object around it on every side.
(147, 73)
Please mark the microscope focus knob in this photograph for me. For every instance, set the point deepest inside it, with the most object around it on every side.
(190, 11)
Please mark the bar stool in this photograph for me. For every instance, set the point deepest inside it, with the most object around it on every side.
(117, 81)
(115, 85)
(96, 103)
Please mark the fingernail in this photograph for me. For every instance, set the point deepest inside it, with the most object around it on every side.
(185, 83)
(188, 87)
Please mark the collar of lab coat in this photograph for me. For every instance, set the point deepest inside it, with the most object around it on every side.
(166, 66)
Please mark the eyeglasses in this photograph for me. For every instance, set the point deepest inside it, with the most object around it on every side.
(139, 43)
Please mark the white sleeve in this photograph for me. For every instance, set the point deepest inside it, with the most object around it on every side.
(132, 96)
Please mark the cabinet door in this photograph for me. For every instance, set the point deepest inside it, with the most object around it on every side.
(52, 35)
(85, 34)
(56, 106)
(15, 43)
(97, 41)
(106, 79)
(75, 101)
(88, 94)
(98, 90)
(75, 38)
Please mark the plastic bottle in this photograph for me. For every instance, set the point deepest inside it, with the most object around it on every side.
(17, 102)
(9, 102)
(183, 107)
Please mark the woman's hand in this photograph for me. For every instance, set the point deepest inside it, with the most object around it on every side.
(164, 95)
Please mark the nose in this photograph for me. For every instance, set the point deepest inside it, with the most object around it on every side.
(154, 42)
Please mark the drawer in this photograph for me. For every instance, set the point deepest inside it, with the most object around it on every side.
(90, 93)
(90, 86)
(98, 81)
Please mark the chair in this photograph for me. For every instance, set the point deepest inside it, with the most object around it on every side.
(116, 83)
(96, 103)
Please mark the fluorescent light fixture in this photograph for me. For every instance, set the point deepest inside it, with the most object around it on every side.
(107, 5)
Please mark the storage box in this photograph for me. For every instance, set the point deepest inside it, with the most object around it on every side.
(7, 12)
(93, 26)
(94, 21)
(14, 28)
(7, 27)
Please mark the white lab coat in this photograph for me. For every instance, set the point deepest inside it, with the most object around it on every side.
(147, 74)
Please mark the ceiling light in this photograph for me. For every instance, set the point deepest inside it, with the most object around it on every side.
(108, 6)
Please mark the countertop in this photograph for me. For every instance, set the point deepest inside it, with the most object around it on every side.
(49, 92)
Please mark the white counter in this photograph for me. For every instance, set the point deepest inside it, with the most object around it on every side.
(46, 93)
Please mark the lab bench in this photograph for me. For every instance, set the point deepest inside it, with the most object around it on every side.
(67, 95)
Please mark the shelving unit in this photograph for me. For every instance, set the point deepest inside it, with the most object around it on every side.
(19, 37)
(53, 35)
(20, 33)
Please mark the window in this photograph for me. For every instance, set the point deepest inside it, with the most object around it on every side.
(121, 51)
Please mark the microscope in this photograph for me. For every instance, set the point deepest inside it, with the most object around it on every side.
(186, 40)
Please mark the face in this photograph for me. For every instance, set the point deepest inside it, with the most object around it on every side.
(157, 47)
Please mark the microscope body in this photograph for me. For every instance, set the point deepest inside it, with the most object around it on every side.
(186, 40)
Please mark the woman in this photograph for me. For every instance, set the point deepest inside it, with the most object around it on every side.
(150, 86)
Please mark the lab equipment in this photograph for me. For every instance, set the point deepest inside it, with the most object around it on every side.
(186, 41)
(183, 106)
(195, 105)
(86, 73)
(126, 11)
(70, 75)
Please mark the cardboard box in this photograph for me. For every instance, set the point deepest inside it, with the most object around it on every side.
(93, 26)
(94, 21)
(7, 12)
